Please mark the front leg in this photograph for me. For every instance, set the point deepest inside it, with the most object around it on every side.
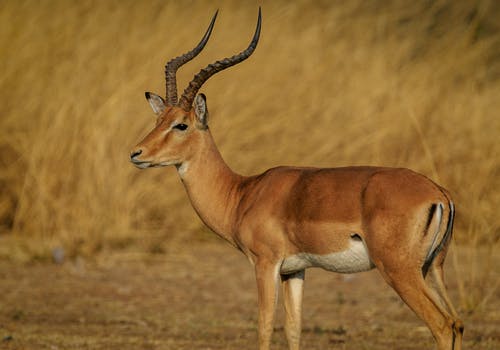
(267, 274)
(293, 286)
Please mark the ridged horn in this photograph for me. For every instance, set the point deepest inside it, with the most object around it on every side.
(174, 64)
(187, 97)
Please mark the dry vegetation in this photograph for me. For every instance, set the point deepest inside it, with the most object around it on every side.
(397, 83)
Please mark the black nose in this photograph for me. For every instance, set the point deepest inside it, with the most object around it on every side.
(135, 154)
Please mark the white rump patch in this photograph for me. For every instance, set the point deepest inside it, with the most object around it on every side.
(439, 216)
(353, 259)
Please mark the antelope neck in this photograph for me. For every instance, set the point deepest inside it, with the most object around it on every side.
(213, 188)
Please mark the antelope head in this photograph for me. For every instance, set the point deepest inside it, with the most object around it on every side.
(182, 124)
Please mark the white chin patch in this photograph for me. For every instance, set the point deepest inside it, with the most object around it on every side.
(354, 259)
(182, 168)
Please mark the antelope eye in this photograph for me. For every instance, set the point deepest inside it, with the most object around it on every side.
(181, 127)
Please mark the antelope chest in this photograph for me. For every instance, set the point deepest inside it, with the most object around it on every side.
(354, 259)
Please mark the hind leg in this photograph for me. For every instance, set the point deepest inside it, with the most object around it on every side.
(410, 285)
(437, 272)
(458, 327)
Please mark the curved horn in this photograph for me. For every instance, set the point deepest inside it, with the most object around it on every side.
(174, 64)
(187, 97)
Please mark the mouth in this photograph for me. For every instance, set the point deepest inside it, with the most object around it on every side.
(144, 164)
(141, 165)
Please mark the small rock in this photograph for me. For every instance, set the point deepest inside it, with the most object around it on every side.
(7, 338)
(58, 255)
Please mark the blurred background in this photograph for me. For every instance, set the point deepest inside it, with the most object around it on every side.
(332, 83)
(411, 84)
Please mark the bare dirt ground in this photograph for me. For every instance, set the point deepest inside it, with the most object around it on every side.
(203, 297)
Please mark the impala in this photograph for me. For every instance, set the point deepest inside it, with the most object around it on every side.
(287, 219)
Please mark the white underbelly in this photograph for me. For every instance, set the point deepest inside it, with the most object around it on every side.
(353, 259)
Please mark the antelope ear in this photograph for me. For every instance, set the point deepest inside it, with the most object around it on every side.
(156, 102)
(200, 109)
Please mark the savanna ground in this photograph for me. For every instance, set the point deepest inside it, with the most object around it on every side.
(204, 297)
(396, 83)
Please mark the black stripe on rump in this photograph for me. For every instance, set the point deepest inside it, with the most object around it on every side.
(432, 210)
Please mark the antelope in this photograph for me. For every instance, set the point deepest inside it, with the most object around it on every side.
(288, 219)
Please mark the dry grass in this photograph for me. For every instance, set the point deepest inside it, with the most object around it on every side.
(395, 83)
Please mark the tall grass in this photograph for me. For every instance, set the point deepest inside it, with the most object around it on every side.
(394, 83)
